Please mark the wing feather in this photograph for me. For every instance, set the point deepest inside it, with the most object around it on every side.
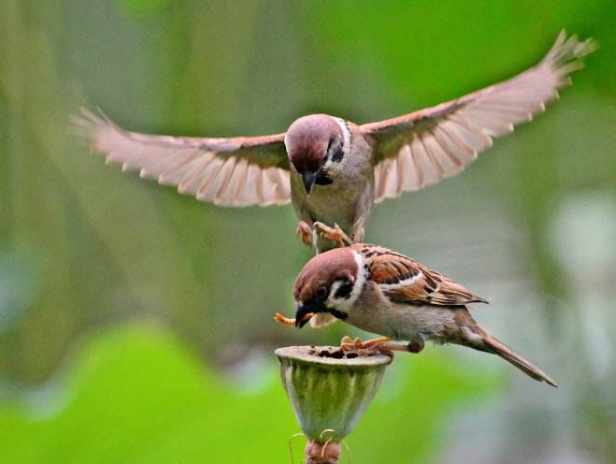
(405, 280)
(224, 171)
(444, 139)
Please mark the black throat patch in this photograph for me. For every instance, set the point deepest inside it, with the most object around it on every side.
(323, 179)
(338, 314)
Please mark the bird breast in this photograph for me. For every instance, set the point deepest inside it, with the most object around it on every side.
(337, 203)
(348, 198)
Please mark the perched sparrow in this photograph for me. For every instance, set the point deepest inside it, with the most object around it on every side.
(386, 293)
(331, 169)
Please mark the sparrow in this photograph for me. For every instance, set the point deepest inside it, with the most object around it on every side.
(386, 293)
(333, 170)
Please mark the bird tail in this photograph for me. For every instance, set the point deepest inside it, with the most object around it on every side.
(493, 345)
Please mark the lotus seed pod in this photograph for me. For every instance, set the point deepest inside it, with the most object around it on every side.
(329, 392)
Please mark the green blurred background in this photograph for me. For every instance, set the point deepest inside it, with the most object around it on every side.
(136, 324)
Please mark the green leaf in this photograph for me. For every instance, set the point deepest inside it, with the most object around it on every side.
(135, 395)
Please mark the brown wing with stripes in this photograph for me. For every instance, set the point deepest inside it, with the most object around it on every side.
(405, 280)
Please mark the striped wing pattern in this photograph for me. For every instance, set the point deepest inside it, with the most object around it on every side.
(405, 280)
(242, 171)
(425, 147)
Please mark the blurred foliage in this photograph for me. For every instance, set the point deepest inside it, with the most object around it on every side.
(140, 7)
(136, 396)
(83, 246)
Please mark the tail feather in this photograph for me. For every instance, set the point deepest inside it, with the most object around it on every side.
(497, 347)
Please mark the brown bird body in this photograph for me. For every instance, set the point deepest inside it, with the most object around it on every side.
(333, 170)
(389, 294)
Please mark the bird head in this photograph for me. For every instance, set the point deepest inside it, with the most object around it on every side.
(329, 283)
(316, 146)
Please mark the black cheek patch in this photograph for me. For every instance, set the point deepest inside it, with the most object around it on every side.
(323, 179)
(338, 314)
(338, 155)
(344, 291)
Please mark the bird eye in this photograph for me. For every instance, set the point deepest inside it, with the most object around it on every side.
(322, 293)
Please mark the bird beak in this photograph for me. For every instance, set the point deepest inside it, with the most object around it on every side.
(309, 179)
(302, 310)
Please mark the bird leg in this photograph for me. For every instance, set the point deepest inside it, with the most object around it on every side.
(304, 231)
(335, 234)
(290, 321)
(416, 345)
(380, 345)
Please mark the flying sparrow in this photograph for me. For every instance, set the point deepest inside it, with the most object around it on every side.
(389, 294)
(334, 170)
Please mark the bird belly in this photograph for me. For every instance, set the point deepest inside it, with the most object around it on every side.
(406, 322)
(337, 203)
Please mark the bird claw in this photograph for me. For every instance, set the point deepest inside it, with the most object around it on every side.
(334, 234)
(379, 345)
(304, 231)
(367, 348)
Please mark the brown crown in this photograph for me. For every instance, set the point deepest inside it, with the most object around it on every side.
(324, 269)
(307, 140)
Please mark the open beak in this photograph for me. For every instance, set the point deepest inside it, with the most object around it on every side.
(309, 179)
(302, 310)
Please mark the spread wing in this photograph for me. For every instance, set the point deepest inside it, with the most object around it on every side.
(404, 280)
(241, 171)
(427, 146)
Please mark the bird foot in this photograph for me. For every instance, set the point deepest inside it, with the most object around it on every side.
(370, 347)
(304, 232)
(335, 234)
